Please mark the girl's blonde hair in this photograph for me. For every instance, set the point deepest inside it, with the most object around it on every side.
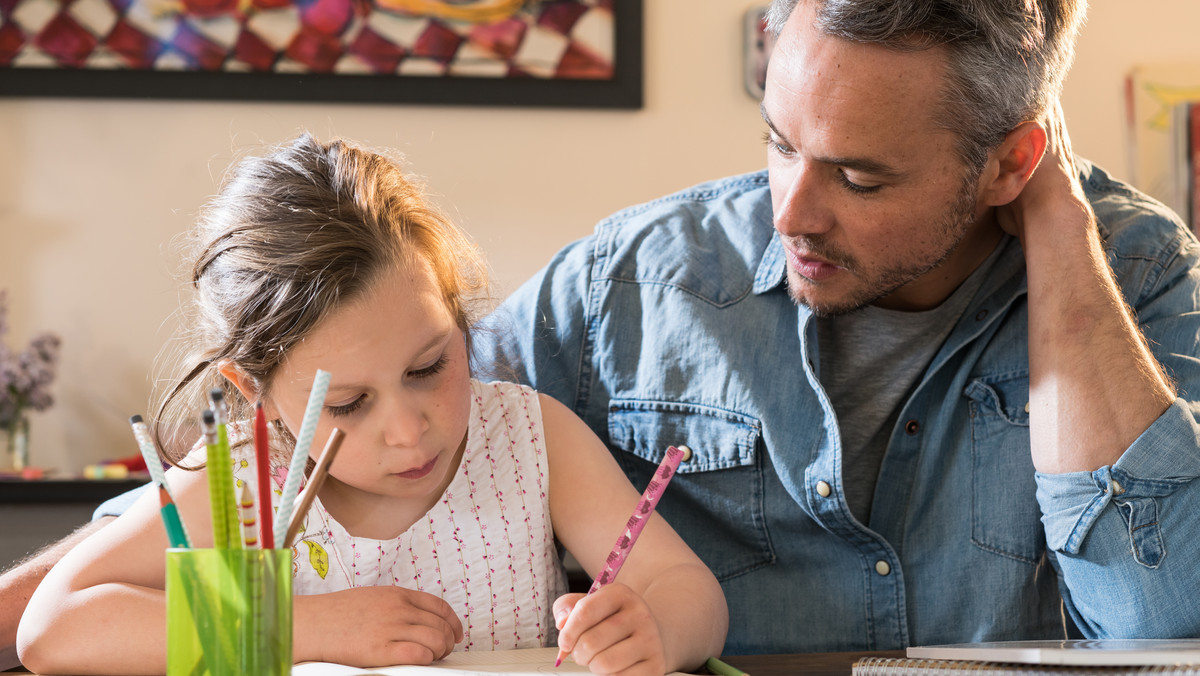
(292, 236)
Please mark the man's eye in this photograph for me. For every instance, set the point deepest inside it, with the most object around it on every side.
(775, 145)
(855, 187)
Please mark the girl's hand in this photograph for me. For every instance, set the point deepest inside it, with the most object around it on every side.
(373, 626)
(612, 631)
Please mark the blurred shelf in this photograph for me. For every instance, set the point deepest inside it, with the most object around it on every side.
(60, 490)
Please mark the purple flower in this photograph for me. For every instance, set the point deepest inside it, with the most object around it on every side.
(25, 377)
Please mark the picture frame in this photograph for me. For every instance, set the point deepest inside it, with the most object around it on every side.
(757, 44)
(564, 53)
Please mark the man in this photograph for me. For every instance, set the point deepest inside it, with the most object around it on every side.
(920, 408)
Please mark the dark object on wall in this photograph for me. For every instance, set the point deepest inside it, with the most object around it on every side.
(572, 53)
(757, 42)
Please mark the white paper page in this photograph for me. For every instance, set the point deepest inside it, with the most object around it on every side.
(528, 662)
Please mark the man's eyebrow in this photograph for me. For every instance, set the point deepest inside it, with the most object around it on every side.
(863, 164)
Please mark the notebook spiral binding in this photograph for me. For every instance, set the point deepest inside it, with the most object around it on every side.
(907, 666)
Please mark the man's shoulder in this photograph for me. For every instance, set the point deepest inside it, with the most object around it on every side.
(750, 190)
(1132, 223)
(719, 227)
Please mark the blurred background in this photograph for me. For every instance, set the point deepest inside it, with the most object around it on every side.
(94, 191)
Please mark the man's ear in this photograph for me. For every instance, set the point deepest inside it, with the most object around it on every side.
(1012, 163)
(246, 385)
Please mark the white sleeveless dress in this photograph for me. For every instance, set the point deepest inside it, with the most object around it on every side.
(486, 548)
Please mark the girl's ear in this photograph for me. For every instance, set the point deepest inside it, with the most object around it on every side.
(246, 385)
(1013, 162)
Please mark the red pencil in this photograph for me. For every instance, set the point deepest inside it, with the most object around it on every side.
(262, 455)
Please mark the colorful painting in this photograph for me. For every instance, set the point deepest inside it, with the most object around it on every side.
(506, 52)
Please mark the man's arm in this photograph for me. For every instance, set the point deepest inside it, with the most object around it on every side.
(18, 583)
(1094, 386)
(1116, 449)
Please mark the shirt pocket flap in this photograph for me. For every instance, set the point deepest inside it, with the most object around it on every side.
(718, 439)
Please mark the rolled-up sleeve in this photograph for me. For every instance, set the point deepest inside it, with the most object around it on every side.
(1126, 537)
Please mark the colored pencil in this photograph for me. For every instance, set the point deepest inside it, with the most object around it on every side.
(718, 667)
(635, 524)
(314, 484)
(222, 462)
(262, 459)
(308, 428)
(141, 432)
(176, 535)
(216, 497)
(249, 523)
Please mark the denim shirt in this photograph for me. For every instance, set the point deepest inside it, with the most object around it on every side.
(672, 324)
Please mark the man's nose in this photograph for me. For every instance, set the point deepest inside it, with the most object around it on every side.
(803, 208)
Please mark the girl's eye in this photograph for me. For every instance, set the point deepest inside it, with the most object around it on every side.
(346, 409)
(431, 370)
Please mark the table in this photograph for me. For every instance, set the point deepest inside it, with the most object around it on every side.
(804, 664)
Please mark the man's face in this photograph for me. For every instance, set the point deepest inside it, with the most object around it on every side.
(871, 200)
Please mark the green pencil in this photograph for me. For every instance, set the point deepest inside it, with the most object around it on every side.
(716, 666)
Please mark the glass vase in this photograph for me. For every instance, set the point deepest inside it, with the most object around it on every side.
(17, 442)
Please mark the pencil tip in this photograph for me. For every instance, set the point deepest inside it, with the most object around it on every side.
(135, 419)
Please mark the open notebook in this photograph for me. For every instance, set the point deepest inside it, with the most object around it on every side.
(1100, 657)
(529, 661)
(1089, 652)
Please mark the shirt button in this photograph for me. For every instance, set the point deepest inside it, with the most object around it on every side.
(981, 315)
(882, 567)
(823, 489)
(912, 427)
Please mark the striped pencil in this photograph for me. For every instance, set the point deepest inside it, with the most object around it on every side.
(308, 429)
(637, 521)
(249, 522)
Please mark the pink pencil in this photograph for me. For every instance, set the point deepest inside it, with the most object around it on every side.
(637, 521)
(262, 453)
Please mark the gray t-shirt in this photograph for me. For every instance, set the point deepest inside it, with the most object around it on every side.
(870, 361)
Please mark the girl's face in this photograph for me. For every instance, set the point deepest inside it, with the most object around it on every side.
(399, 389)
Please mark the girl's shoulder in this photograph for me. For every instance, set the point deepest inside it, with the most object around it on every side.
(501, 389)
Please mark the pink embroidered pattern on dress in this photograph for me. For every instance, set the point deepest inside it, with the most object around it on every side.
(469, 640)
(489, 449)
(540, 458)
(508, 430)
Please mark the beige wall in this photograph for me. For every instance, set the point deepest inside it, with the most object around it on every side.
(92, 192)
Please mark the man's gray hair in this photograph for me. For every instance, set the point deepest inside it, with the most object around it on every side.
(1006, 58)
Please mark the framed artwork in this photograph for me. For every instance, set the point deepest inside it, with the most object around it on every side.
(574, 53)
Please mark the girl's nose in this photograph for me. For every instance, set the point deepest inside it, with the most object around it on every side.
(405, 425)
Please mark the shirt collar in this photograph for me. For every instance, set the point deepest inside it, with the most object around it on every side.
(772, 269)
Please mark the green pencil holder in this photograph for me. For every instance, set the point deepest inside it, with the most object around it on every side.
(229, 612)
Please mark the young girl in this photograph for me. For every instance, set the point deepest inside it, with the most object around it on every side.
(436, 528)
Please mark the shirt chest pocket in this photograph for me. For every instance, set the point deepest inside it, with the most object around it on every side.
(1005, 518)
(715, 501)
